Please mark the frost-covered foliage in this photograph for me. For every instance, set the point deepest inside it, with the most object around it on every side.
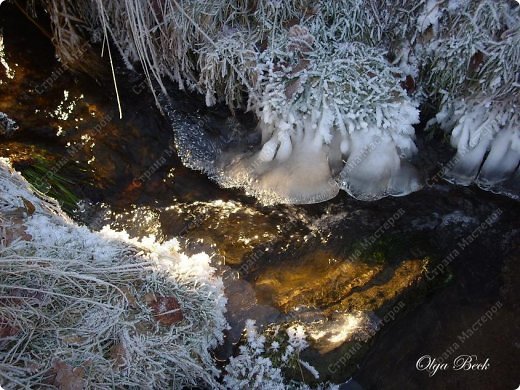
(261, 359)
(469, 48)
(99, 310)
(7, 125)
(336, 85)
(471, 70)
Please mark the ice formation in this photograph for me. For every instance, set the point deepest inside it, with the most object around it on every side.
(479, 95)
(487, 137)
(336, 86)
(325, 125)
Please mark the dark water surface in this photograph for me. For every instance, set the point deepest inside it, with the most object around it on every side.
(378, 285)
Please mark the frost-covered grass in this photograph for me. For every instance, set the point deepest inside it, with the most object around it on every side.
(99, 310)
(334, 118)
(470, 48)
(336, 85)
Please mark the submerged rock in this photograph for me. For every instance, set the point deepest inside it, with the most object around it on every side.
(343, 294)
(7, 125)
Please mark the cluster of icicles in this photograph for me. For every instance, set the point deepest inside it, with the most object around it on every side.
(295, 163)
(304, 159)
(335, 111)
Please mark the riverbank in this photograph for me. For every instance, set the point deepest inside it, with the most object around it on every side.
(89, 309)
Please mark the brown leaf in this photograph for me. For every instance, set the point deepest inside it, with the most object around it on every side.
(7, 333)
(7, 330)
(68, 377)
(149, 298)
(475, 62)
(291, 87)
(144, 327)
(31, 297)
(427, 35)
(29, 207)
(291, 22)
(301, 65)
(118, 353)
(12, 230)
(166, 310)
(300, 39)
(409, 84)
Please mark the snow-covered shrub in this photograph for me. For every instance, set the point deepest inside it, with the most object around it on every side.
(99, 310)
(261, 359)
(250, 369)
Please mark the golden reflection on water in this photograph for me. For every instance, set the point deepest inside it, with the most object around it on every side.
(320, 280)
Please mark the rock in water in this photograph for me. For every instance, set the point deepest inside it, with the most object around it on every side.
(7, 125)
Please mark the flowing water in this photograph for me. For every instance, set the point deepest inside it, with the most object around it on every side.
(373, 282)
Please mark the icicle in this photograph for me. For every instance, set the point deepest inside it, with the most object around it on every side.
(374, 170)
(479, 128)
(502, 160)
(285, 149)
(269, 150)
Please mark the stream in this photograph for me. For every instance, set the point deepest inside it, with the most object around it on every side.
(374, 283)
